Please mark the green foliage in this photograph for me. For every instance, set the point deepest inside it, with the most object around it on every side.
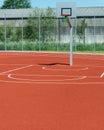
(18, 33)
(14, 46)
(1, 33)
(2, 46)
(89, 47)
(99, 47)
(84, 47)
(9, 32)
(31, 47)
(47, 46)
(16, 4)
(81, 30)
(43, 20)
(31, 30)
(13, 35)
(48, 25)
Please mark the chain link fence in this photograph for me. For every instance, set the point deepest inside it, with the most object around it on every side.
(44, 32)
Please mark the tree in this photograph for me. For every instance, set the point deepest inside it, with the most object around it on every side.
(43, 19)
(16, 4)
(81, 30)
(31, 30)
(48, 24)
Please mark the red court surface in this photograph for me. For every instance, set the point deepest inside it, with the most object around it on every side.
(40, 91)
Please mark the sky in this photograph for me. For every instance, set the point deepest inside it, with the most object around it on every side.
(52, 3)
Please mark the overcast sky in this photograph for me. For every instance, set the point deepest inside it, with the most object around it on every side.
(52, 3)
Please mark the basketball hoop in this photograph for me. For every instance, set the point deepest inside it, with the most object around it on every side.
(67, 10)
(66, 16)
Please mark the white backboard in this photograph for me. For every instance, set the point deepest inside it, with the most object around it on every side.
(65, 8)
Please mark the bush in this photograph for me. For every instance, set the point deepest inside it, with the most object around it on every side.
(90, 47)
(48, 46)
(2, 47)
(99, 47)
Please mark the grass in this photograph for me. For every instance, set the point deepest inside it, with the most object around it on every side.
(52, 46)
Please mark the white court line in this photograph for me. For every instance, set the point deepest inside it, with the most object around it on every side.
(56, 83)
(44, 81)
(12, 64)
(65, 78)
(65, 69)
(15, 69)
(102, 75)
(34, 54)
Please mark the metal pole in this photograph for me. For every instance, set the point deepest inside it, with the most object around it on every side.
(71, 45)
(75, 34)
(5, 30)
(94, 34)
(22, 32)
(57, 34)
(57, 41)
(71, 48)
(39, 33)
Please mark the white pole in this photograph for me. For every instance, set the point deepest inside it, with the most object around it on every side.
(71, 45)
(22, 31)
(71, 48)
(94, 34)
(5, 32)
(39, 33)
(57, 39)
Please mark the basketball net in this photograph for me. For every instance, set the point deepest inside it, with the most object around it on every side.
(66, 16)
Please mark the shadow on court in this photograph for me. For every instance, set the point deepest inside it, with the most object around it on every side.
(52, 64)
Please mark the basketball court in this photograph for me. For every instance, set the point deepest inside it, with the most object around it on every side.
(42, 91)
(52, 91)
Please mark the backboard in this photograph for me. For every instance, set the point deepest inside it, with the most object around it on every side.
(66, 8)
